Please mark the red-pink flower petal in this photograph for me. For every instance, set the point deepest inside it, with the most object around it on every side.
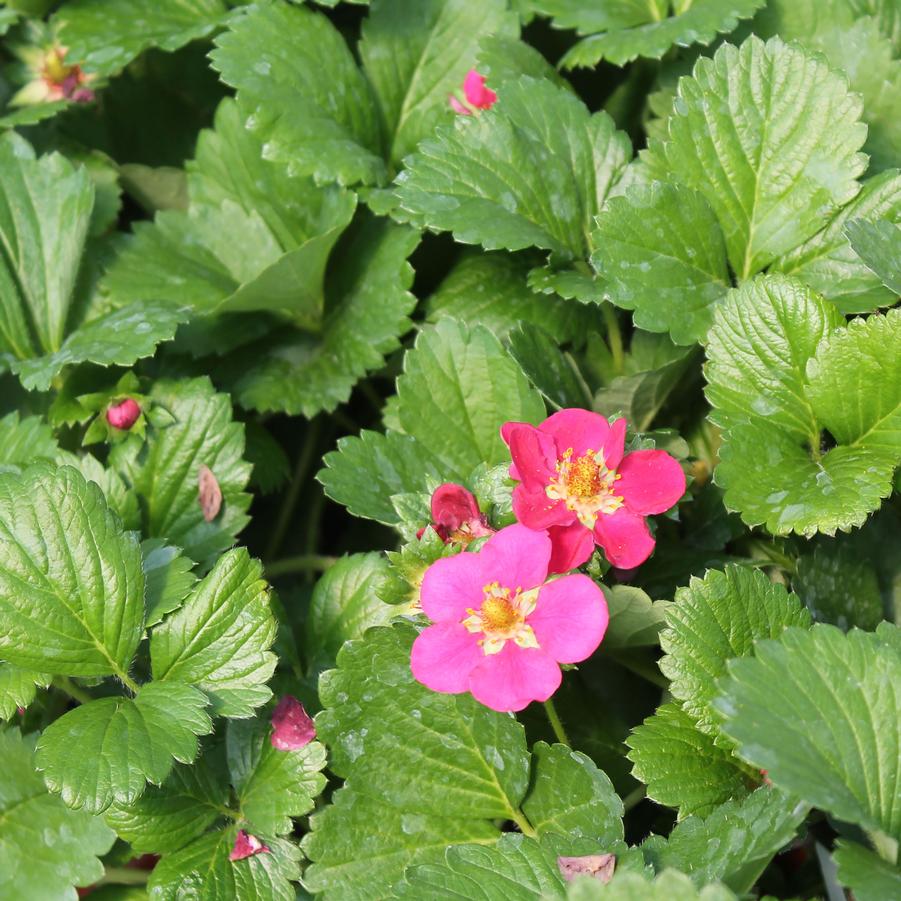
(652, 481)
(458, 107)
(443, 657)
(451, 585)
(625, 538)
(517, 557)
(580, 430)
(537, 511)
(292, 726)
(246, 845)
(571, 546)
(570, 619)
(515, 677)
(452, 505)
(124, 414)
(476, 92)
(615, 444)
(534, 454)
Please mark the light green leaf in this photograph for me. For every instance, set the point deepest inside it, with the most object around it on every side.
(272, 786)
(670, 885)
(105, 35)
(416, 53)
(532, 171)
(345, 604)
(819, 711)
(635, 620)
(733, 137)
(71, 585)
(168, 579)
(219, 639)
(682, 766)
(18, 688)
(570, 796)
(715, 619)
(868, 876)
(47, 849)
(122, 743)
(879, 246)
(202, 869)
(167, 817)
(164, 471)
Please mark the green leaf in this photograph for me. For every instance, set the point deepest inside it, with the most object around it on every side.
(635, 620)
(204, 870)
(105, 36)
(163, 472)
(25, 440)
(552, 371)
(532, 171)
(219, 639)
(569, 795)
(345, 604)
(312, 107)
(879, 246)
(733, 137)
(715, 619)
(71, 585)
(681, 765)
(168, 579)
(272, 786)
(732, 844)
(416, 53)
(661, 252)
(167, 817)
(670, 885)
(818, 710)
(868, 876)
(777, 375)
(47, 848)
(18, 688)
(122, 743)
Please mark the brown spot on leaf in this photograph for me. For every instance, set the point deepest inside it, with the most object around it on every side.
(209, 494)
(597, 866)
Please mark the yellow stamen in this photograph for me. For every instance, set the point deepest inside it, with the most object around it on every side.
(502, 618)
(585, 484)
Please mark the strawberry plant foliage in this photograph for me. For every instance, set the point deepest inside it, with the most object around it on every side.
(428, 470)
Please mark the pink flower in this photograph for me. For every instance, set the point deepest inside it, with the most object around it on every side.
(124, 414)
(456, 516)
(498, 630)
(292, 726)
(246, 845)
(477, 95)
(575, 482)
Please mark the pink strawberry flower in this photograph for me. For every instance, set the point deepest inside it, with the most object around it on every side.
(456, 516)
(500, 630)
(292, 726)
(246, 845)
(123, 415)
(478, 96)
(575, 482)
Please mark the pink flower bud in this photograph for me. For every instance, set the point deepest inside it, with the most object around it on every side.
(292, 726)
(246, 845)
(478, 96)
(456, 516)
(124, 414)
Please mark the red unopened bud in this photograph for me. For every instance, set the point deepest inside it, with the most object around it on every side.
(292, 726)
(456, 516)
(246, 845)
(124, 414)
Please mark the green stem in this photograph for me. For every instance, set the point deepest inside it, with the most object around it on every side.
(556, 724)
(886, 846)
(290, 502)
(525, 827)
(636, 796)
(614, 336)
(640, 668)
(128, 682)
(300, 564)
(374, 398)
(67, 686)
(313, 521)
(124, 876)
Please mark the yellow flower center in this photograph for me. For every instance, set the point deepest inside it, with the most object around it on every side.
(585, 484)
(502, 618)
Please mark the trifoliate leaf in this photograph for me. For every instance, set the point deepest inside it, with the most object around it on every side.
(345, 604)
(47, 849)
(879, 246)
(25, 440)
(121, 743)
(272, 786)
(777, 378)
(715, 619)
(164, 471)
(732, 844)
(219, 639)
(682, 766)
(105, 36)
(570, 796)
(168, 579)
(71, 585)
(532, 171)
(204, 870)
(670, 885)
(635, 620)
(870, 877)
(18, 688)
(819, 711)
(167, 817)
(402, 583)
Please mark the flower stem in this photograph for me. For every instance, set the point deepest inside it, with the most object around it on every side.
(67, 686)
(555, 722)
(299, 564)
(525, 827)
(614, 336)
(124, 876)
(636, 796)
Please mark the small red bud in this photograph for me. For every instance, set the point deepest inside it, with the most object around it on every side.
(124, 414)
(246, 845)
(292, 726)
